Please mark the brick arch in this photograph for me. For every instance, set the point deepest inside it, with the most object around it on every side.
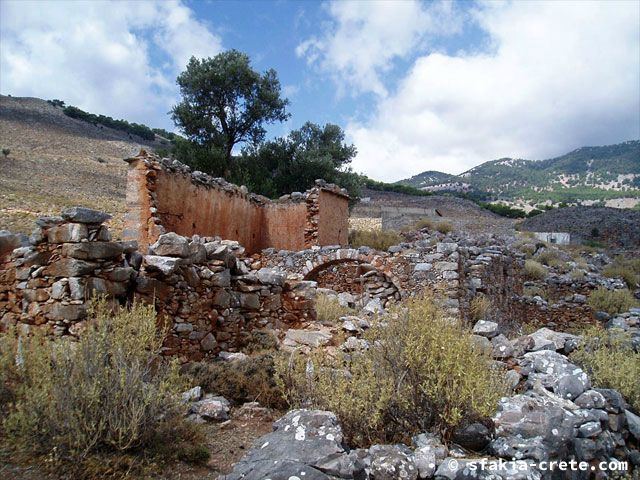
(323, 261)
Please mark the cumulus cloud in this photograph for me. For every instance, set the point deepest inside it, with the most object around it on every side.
(364, 39)
(115, 58)
(557, 76)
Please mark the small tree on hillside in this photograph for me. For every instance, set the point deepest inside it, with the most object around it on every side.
(6, 152)
(225, 102)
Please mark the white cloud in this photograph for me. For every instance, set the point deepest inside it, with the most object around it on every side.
(101, 56)
(366, 37)
(560, 75)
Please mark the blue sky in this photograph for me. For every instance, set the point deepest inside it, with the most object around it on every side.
(416, 85)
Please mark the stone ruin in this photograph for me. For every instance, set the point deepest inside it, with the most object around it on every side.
(218, 294)
(166, 196)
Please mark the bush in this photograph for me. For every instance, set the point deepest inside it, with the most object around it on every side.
(444, 227)
(534, 270)
(419, 224)
(250, 380)
(624, 267)
(550, 258)
(107, 393)
(536, 292)
(376, 239)
(329, 310)
(609, 358)
(6, 152)
(577, 274)
(479, 307)
(421, 373)
(611, 301)
(619, 271)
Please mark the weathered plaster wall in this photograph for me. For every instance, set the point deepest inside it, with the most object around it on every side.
(283, 226)
(333, 224)
(165, 196)
(188, 209)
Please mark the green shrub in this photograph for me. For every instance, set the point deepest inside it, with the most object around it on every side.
(444, 227)
(6, 152)
(377, 239)
(479, 307)
(611, 301)
(550, 258)
(107, 393)
(421, 373)
(534, 270)
(329, 310)
(535, 291)
(249, 380)
(608, 357)
(625, 267)
(620, 271)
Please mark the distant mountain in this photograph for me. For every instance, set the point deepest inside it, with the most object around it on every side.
(583, 176)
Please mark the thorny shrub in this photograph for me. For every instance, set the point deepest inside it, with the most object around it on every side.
(109, 393)
(421, 372)
(609, 358)
(611, 301)
(534, 270)
(329, 310)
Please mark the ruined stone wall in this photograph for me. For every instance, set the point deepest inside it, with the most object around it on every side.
(165, 196)
(202, 288)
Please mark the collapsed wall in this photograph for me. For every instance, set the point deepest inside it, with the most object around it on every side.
(165, 196)
(202, 290)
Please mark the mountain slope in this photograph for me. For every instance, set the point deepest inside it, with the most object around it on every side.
(586, 174)
(57, 161)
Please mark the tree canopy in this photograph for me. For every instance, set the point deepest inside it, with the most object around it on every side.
(225, 102)
(294, 162)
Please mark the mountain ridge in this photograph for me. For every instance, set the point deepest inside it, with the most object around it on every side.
(585, 176)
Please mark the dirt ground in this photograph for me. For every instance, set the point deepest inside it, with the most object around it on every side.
(227, 442)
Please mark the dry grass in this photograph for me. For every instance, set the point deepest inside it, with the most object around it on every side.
(609, 358)
(479, 307)
(251, 380)
(534, 270)
(376, 239)
(329, 310)
(444, 227)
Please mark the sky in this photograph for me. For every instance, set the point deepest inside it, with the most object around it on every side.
(416, 85)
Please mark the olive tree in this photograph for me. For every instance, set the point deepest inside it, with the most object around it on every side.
(225, 102)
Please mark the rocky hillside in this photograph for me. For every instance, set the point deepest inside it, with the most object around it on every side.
(462, 214)
(56, 161)
(610, 225)
(583, 176)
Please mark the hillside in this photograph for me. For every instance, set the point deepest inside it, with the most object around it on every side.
(583, 176)
(57, 161)
(463, 214)
(610, 225)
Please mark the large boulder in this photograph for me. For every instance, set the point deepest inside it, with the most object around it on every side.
(305, 444)
(555, 373)
(533, 426)
(391, 462)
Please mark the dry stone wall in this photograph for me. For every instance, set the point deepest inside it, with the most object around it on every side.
(202, 288)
